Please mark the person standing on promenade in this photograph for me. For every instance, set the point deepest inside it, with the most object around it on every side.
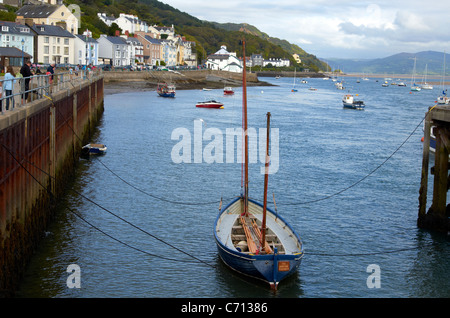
(50, 72)
(8, 85)
(26, 73)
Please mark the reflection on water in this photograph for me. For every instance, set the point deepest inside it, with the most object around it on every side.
(323, 150)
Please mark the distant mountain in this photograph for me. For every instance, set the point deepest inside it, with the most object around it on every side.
(307, 59)
(402, 63)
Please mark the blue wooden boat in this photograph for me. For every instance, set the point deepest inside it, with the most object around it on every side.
(251, 238)
(165, 90)
(283, 250)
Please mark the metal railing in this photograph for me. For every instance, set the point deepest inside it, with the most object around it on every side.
(41, 86)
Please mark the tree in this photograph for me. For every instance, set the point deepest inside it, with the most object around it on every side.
(113, 28)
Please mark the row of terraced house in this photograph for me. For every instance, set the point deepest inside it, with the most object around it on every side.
(47, 33)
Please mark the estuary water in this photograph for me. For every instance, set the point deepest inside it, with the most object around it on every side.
(136, 223)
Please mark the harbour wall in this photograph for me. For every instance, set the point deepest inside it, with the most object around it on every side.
(183, 79)
(40, 143)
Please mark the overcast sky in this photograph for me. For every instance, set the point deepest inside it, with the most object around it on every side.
(343, 29)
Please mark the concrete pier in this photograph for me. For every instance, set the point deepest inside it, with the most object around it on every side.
(40, 143)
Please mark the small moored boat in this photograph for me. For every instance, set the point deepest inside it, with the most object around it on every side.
(93, 149)
(209, 104)
(165, 90)
(349, 102)
(228, 91)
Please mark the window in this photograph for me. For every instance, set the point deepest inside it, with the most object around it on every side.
(66, 41)
(46, 59)
(66, 50)
(46, 39)
(5, 28)
(46, 49)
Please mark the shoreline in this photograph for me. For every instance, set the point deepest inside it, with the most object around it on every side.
(117, 87)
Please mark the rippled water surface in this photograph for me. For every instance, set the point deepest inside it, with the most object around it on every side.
(143, 224)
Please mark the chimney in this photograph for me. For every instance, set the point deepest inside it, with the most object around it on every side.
(117, 33)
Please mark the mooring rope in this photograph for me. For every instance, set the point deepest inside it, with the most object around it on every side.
(105, 209)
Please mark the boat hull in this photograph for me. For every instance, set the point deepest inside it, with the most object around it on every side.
(271, 268)
(354, 105)
(209, 105)
(170, 95)
(93, 149)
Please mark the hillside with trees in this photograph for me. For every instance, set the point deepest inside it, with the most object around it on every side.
(208, 36)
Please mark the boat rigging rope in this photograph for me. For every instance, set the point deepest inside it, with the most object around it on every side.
(123, 180)
(366, 176)
(103, 208)
(196, 259)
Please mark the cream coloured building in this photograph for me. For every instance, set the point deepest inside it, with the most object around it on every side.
(48, 14)
(53, 44)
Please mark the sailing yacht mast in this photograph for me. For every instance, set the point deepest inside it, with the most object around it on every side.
(244, 110)
(266, 180)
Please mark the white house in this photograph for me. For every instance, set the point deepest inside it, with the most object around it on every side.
(127, 22)
(276, 62)
(108, 20)
(224, 60)
(189, 57)
(53, 44)
(135, 50)
(86, 50)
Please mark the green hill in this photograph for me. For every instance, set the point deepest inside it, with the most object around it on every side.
(307, 59)
(209, 36)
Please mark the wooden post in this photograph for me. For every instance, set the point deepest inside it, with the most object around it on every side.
(425, 163)
(440, 174)
(52, 148)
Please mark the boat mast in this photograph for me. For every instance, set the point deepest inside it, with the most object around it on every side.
(266, 181)
(244, 102)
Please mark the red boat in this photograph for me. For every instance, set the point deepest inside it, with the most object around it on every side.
(209, 104)
(228, 91)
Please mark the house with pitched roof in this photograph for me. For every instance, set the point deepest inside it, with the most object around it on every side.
(53, 44)
(12, 56)
(48, 14)
(12, 34)
(189, 55)
(224, 61)
(86, 49)
(113, 50)
(152, 49)
(135, 50)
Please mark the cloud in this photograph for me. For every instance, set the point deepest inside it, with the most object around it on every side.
(346, 28)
